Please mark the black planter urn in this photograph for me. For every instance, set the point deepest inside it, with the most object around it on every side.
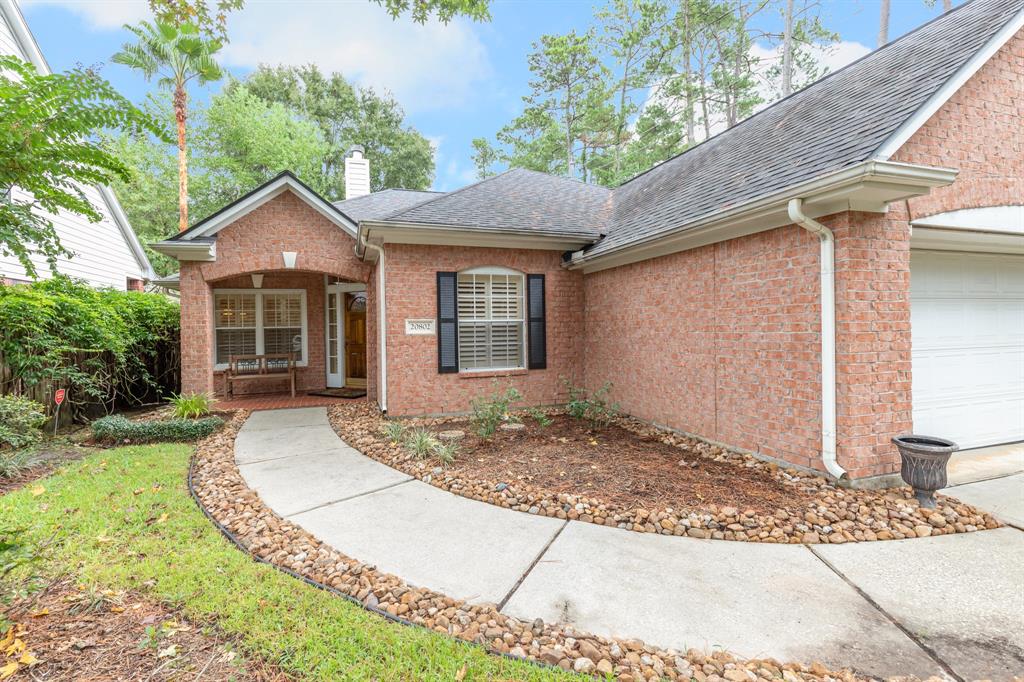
(924, 464)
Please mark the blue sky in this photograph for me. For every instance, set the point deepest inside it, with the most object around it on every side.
(456, 82)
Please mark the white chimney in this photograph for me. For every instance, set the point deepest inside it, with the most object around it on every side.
(357, 173)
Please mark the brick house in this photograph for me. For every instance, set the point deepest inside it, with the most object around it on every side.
(842, 267)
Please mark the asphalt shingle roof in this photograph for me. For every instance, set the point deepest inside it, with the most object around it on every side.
(519, 200)
(837, 122)
(383, 204)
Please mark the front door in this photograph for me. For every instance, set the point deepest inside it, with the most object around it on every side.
(355, 339)
(346, 334)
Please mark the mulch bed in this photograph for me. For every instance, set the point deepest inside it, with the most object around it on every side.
(79, 634)
(634, 476)
(222, 492)
(615, 465)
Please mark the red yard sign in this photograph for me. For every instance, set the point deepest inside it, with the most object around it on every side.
(58, 397)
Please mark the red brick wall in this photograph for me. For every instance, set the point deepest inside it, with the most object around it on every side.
(979, 131)
(254, 243)
(414, 384)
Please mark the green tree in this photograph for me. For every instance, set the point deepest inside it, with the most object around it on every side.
(349, 115)
(210, 20)
(49, 151)
(178, 55)
(444, 9)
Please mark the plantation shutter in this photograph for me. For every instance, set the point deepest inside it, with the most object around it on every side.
(537, 323)
(447, 324)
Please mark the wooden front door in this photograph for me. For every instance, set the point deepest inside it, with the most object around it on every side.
(355, 339)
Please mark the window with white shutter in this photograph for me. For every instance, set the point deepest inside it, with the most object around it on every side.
(491, 319)
(257, 322)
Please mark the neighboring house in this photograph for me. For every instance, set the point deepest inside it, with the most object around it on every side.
(105, 254)
(882, 205)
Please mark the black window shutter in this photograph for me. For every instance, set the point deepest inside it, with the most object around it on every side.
(536, 322)
(447, 323)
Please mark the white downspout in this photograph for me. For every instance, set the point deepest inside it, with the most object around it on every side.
(381, 322)
(828, 335)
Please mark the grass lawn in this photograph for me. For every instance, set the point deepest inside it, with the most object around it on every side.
(123, 519)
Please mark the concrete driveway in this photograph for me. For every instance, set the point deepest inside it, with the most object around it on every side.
(948, 606)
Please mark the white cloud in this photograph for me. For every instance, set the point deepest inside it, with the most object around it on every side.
(429, 66)
(102, 14)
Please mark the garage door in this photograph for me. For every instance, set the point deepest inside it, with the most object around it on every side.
(967, 317)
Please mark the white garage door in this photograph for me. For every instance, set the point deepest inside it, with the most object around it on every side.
(967, 318)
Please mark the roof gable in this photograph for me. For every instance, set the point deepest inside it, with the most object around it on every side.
(283, 182)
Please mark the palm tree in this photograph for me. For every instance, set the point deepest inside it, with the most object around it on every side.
(177, 54)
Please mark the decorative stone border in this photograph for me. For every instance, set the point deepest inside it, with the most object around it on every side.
(838, 515)
(237, 511)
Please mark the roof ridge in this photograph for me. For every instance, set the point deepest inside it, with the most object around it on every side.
(453, 192)
(806, 89)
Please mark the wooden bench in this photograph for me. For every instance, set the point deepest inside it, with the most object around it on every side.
(269, 366)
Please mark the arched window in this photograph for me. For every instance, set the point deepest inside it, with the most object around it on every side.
(492, 319)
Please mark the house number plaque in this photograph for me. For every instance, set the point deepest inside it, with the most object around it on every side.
(419, 327)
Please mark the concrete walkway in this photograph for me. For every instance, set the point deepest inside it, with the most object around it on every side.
(950, 606)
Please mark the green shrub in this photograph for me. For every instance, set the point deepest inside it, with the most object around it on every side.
(13, 463)
(394, 431)
(537, 415)
(490, 412)
(191, 406)
(421, 442)
(594, 408)
(119, 429)
(20, 419)
(446, 452)
(106, 347)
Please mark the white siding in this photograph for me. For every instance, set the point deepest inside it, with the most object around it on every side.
(102, 255)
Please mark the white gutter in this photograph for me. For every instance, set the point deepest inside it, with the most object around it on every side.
(828, 335)
(381, 317)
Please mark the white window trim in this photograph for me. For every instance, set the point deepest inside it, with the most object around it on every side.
(259, 293)
(495, 270)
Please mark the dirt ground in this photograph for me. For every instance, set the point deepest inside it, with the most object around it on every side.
(46, 461)
(617, 466)
(66, 633)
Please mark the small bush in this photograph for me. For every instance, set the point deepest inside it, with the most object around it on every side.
(14, 463)
(394, 431)
(594, 408)
(446, 452)
(20, 419)
(537, 415)
(191, 406)
(489, 413)
(421, 442)
(119, 429)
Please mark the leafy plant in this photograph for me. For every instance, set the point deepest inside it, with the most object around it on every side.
(119, 429)
(191, 406)
(394, 431)
(538, 415)
(14, 463)
(106, 347)
(490, 412)
(592, 406)
(446, 452)
(421, 442)
(20, 420)
(50, 149)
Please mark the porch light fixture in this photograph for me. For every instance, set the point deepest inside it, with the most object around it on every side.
(257, 281)
(289, 259)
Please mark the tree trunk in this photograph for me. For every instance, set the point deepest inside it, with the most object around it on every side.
(180, 113)
(787, 51)
(947, 5)
(883, 24)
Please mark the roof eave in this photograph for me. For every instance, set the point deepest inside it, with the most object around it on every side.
(867, 186)
(187, 250)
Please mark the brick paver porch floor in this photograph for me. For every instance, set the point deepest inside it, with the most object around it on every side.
(278, 401)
